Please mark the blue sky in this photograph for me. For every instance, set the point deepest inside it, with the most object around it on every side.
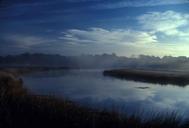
(73, 27)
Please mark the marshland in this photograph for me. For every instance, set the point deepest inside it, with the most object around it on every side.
(72, 98)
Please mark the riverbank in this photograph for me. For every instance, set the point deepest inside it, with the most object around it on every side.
(151, 76)
(19, 108)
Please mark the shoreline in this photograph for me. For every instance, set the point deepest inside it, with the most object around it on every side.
(151, 76)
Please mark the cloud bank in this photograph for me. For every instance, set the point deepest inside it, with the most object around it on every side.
(155, 27)
(138, 3)
(160, 33)
(105, 36)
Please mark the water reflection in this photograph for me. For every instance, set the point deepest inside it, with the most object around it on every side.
(91, 88)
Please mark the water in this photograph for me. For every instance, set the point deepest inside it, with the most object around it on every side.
(90, 88)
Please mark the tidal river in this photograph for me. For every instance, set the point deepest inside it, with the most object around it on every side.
(90, 88)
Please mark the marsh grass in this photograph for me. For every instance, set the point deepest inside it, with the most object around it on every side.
(157, 77)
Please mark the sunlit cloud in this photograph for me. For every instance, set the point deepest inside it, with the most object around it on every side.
(173, 25)
(155, 27)
(167, 22)
(105, 36)
(160, 33)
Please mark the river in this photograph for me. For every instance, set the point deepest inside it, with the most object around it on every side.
(92, 89)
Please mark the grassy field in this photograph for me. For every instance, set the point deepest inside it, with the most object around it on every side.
(20, 109)
(161, 77)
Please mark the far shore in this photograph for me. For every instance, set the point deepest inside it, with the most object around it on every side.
(17, 71)
(162, 77)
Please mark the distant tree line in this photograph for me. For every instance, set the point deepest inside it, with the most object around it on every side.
(95, 61)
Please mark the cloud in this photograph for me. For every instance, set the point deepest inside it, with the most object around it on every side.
(105, 36)
(163, 21)
(23, 41)
(129, 41)
(173, 25)
(138, 3)
(19, 43)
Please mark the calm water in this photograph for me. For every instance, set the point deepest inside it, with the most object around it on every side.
(91, 88)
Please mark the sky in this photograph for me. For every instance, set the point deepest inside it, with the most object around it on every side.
(75, 27)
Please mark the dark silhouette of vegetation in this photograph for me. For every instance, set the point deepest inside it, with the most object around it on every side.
(105, 61)
(19, 108)
(159, 77)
